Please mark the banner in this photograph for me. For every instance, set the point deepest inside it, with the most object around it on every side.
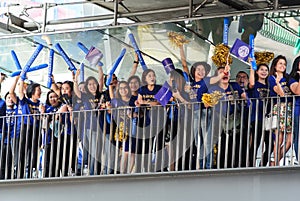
(164, 94)
(240, 49)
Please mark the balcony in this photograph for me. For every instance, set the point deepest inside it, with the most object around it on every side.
(154, 174)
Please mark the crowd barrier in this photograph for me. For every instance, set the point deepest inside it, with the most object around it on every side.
(150, 139)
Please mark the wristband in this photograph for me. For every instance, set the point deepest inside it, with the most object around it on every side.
(136, 62)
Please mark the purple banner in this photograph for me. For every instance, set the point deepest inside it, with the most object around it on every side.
(240, 49)
(164, 94)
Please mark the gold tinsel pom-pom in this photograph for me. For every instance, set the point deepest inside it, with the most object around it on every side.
(177, 39)
(221, 54)
(212, 99)
(263, 57)
(121, 133)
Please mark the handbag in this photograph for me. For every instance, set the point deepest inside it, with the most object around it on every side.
(271, 122)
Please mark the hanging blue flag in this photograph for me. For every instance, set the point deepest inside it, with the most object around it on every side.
(164, 94)
(240, 49)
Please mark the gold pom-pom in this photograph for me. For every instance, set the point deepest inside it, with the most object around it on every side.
(263, 57)
(121, 133)
(221, 54)
(177, 39)
(212, 99)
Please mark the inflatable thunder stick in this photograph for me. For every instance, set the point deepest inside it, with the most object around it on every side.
(30, 61)
(65, 57)
(117, 62)
(41, 66)
(137, 51)
(85, 50)
(186, 77)
(16, 60)
(50, 68)
(81, 76)
(225, 31)
(251, 43)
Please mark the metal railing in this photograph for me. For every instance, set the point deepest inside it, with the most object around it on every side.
(150, 139)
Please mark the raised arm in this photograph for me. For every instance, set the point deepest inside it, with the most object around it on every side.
(12, 89)
(295, 87)
(54, 87)
(135, 65)
(76, 88)
(111, 91)
(100, 78)
(21, 89)
(277, 88)
(183, 60)
(217, 78)
(251, 79)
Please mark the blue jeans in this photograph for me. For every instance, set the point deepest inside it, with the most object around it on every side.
(202, 134)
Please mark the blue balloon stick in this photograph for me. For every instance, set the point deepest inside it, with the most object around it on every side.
(65, 57)
(50, 68)
(117, 62)
(137, 51)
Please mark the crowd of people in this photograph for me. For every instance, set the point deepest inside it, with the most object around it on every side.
(90, 128)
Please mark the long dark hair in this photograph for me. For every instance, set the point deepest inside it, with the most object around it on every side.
(258, 67)
(274, 63)
(118, 95)
(87, 82)
(31, 89)
(177, 75)
(48, 98)
(206, 66)
(295, 69)
(145, 73)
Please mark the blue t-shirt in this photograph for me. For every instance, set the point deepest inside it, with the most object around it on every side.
(284, 86)
(2, 120)
(10, 122)
(197, 91)
(229, 94)
(259, 91)
(28, 108)
(90, 102)
(123, 107)
(148, 95)
(200, 88)
(174, 109)
(297, 97)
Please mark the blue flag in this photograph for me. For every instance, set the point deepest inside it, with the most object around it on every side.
(240, 49)
(164, 94)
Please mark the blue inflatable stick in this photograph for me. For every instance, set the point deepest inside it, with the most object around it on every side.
(137, 51)
(186, 77)
(251, 43)
(30, 61)
(117, 62)
(50, 68)
(85, 50)
(225, 31)
(41, 66)
(65, 57)
(16, 60)
(81, 76)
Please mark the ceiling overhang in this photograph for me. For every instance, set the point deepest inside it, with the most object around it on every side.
(146, 12)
